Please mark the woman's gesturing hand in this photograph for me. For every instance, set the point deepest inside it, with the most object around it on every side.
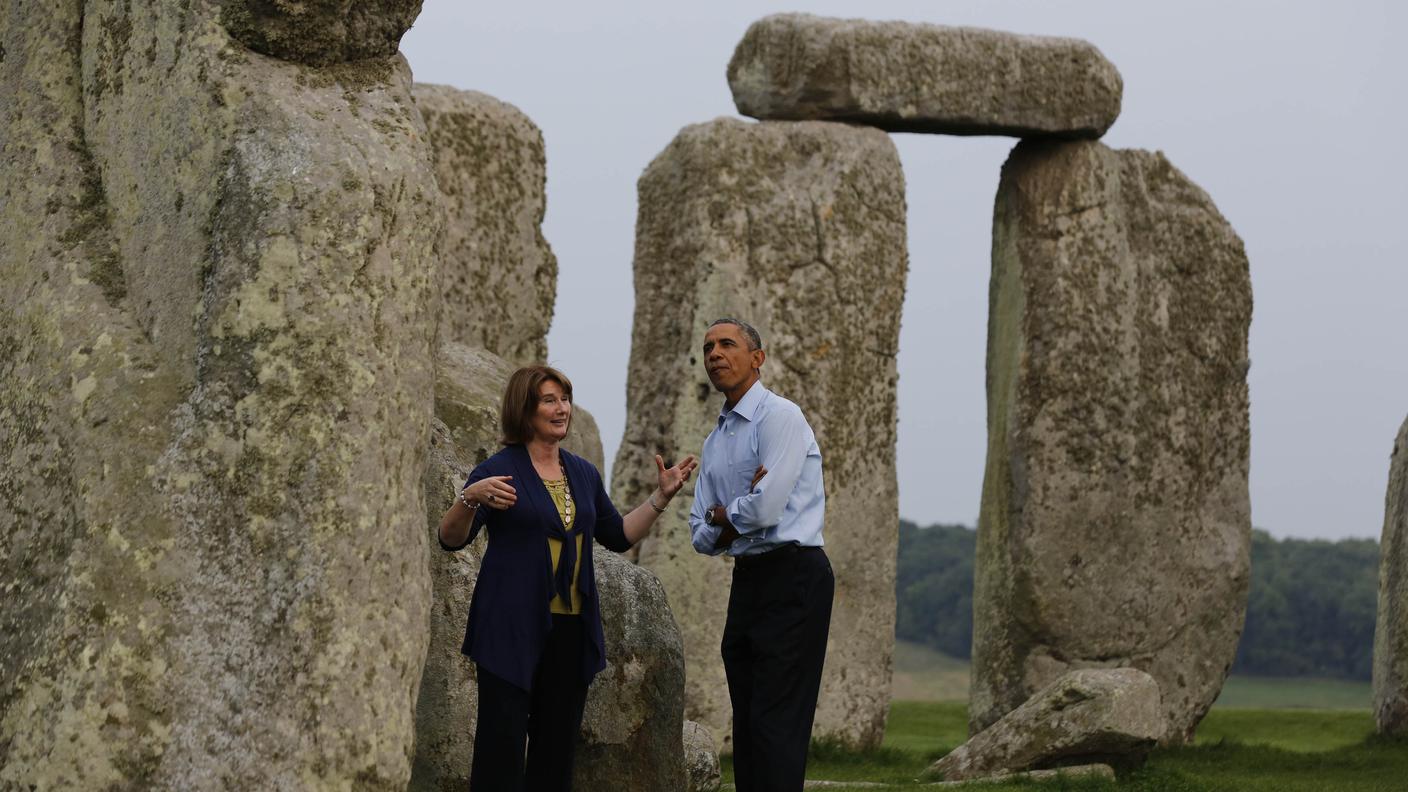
(494, 492)
(672, 478)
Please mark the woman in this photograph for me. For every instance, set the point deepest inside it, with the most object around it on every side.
(535, 624)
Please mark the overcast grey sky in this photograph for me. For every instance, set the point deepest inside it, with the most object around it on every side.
(1290, 114)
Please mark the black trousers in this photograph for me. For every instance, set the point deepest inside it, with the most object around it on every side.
(779, 614)
(548, 719)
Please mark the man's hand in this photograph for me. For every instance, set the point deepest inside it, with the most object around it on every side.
(757, 476)
(729, 533)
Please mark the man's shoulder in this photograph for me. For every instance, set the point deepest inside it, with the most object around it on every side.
(775, 405)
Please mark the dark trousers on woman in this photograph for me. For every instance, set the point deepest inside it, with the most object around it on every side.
(548, 719)
(779, 614)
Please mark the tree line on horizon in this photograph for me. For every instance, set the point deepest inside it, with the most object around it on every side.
(1310, 608)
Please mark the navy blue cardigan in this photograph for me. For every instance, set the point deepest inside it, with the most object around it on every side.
(509, 618)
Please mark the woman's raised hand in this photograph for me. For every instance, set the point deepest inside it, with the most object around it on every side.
(494, 492)
(672, 478)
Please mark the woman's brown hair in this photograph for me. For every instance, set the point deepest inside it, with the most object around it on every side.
(521, 401)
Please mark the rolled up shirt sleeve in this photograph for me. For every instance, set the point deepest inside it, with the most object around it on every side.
(783, 442)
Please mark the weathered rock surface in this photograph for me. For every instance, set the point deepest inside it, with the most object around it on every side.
(910, 77)
(1391, 630)
(215, 340)
(630, 735)
(499, 275)
(320, 32)
(1085, 714)
(798, 228)
(1115, 525)
(701, 759)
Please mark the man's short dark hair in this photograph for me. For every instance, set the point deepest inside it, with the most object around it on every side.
(755, 341)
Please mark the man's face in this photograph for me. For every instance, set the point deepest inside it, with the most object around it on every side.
(727, 358)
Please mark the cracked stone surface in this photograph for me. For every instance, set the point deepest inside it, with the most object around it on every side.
(499, 276)
(1391, 630)
(631, 733)
(798, 228)
(913, 77)
(217, 314)
(1115, 526)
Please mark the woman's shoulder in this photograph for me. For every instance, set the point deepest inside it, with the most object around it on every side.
(581, 463)
(500, 461)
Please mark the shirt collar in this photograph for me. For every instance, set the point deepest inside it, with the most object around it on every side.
(747, 406)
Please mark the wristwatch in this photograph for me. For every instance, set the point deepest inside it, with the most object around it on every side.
(709, 515)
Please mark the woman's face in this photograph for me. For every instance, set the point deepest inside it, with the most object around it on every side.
(554, 413)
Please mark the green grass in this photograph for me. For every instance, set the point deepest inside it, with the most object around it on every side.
(923, 674)
(1237, 750)
(1243, 692)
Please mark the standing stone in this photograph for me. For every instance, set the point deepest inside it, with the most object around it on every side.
(910, 77)
(216, 328)
(798, 228)
(498, 274)
(1391, 631)
(701, 759)
(1115, 526)
(1088, 714)
(630, 736)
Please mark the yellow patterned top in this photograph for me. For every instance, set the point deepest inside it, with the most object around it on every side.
(557, 488)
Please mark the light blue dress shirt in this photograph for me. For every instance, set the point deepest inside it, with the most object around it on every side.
(788, 505)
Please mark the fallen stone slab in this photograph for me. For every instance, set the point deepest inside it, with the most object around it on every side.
(1391, 630)
(912, 77)
(1087, 713)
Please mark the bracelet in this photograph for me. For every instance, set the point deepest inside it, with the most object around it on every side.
(651, 501)
(467, 504)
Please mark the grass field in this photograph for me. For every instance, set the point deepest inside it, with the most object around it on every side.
(922, 674)
(1282, 736)
(1284, 750)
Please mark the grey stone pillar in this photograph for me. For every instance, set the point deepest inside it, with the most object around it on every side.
(498, 275)
(1391, 629)
(216, 344)
(1115, 525)
(798, 228)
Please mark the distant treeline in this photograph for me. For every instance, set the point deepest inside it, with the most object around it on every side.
(1310, 611)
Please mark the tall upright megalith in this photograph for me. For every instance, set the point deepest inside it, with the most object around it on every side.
(217, 311)
(1391, 629)
(798, 228)
(1115, 524)
(498, 275)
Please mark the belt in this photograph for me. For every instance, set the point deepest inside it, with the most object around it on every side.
(772, 556)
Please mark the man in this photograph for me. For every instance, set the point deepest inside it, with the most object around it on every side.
(759, 498)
